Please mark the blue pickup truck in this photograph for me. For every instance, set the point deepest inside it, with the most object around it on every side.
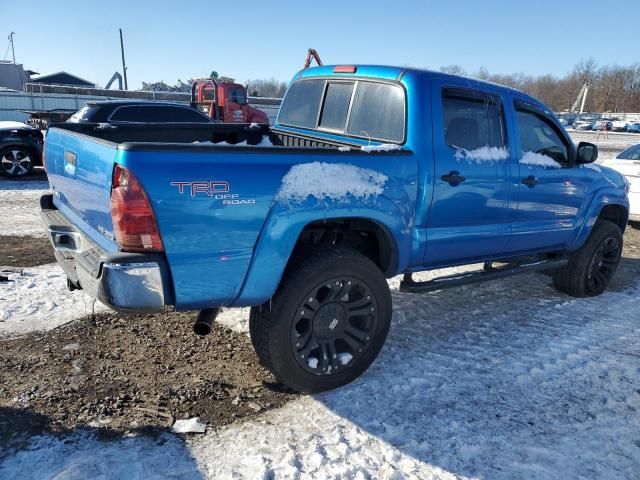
(368, 172)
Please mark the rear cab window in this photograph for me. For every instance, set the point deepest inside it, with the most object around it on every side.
(358, 108)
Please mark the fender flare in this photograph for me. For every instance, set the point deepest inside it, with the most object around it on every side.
(601, 199)
(281, 232)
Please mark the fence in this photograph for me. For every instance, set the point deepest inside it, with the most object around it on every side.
(14, 104)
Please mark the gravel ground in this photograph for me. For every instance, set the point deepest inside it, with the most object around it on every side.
(18, 251)
(134, 372)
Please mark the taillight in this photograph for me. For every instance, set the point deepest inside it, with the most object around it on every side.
(133, 221)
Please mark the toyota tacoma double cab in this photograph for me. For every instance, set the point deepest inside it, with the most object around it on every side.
(369, 172)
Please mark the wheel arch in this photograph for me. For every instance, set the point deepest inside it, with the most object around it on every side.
(379, 235)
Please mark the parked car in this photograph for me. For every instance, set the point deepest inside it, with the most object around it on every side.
(128, 112)
(583, 125)
(20, 148)
(633, 127)
(619, 125)
(628, 164)
(368, 172)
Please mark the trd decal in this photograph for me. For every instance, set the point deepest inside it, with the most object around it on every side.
(218, 189)
(208, 188)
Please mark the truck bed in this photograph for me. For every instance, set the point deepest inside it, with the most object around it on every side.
(212, 200)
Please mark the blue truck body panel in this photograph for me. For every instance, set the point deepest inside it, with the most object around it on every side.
(232, 250)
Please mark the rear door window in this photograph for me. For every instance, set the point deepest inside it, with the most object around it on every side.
(472, 120)
(301, 104)
(378, 112)
(336, 106)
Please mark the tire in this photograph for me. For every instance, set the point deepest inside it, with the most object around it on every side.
(592, 266)
(326, 323)
(16, 161)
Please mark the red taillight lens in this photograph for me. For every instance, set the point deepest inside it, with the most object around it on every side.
(133, 221)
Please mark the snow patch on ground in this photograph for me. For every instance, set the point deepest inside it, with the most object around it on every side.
(191, 425)
(329, 181)
(384, 147)
(39, 300)
(538, 160)
(21, 207)
(82, 455)
(483, 154)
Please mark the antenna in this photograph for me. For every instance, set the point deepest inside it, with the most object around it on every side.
(124, 65)
(12, 50)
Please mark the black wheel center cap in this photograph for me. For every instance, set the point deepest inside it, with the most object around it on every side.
(329, 320)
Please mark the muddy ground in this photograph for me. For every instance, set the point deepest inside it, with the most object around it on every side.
(18, 251)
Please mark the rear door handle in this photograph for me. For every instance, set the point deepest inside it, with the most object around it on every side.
(530, 181)
(453, 178)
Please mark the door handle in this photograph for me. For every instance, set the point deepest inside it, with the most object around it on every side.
(453, 178)
(530, 181)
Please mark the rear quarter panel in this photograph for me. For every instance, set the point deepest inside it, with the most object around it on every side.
(210, 243)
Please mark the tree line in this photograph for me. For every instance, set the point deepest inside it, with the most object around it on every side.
(613, 88)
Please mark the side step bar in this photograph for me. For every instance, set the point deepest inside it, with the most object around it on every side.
(408, 285)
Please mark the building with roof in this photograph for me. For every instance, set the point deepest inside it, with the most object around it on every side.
(62, 78)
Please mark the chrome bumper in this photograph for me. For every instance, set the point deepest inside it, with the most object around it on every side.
(123, 281)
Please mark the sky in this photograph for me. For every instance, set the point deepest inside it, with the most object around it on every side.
(268, 39)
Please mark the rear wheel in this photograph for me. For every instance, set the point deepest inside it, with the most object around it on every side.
(16, 161)
(326, 323)
(591, 267)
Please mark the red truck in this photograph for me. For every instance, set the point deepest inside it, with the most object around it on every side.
(225, 102)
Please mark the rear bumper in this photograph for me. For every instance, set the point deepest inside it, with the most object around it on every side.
(129, 282)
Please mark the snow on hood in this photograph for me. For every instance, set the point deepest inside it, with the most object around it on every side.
(483, 154)
(13, 125)
(538, 160)
(333, 181)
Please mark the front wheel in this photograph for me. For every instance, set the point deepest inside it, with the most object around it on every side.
(326, 323)
(591, 267)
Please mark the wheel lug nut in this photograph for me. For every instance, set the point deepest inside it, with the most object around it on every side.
(311, 299)
(349, 282)
(301, 356)
(368, 297)
(297, 344)
(366, 338)
(302, 312)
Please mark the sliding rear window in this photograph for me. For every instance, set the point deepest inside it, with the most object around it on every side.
(359, 108)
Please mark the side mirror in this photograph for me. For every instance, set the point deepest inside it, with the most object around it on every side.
(587, 152)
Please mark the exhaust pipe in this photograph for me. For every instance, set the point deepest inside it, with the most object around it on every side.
(204, 321)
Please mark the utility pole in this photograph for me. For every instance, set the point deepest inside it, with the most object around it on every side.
(12, 50)
(124, 65)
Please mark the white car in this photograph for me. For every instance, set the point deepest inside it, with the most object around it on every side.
(628, 163)
(619, 125)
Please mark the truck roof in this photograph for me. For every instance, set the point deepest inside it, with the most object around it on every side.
(389, 72)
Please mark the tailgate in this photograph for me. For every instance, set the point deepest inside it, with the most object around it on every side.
(80, 168)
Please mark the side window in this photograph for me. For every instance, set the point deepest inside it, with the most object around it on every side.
(157, 113)
(540, 142)
(301, 104)
(127, 114)
(377, 112)
(336, 106)
(472, 120)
